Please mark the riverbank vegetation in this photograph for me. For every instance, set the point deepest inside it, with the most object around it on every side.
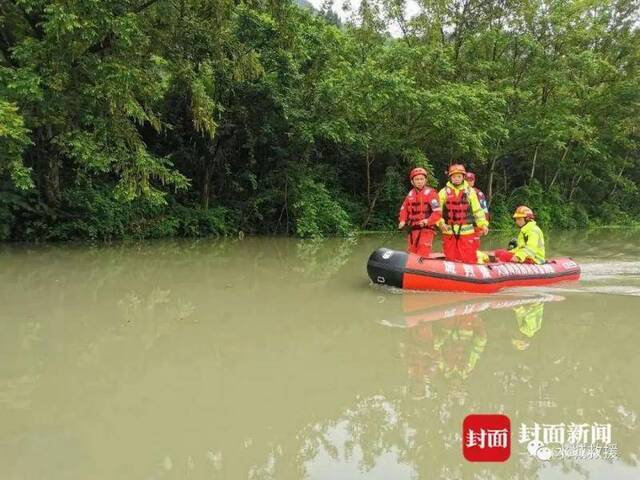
(135, 118)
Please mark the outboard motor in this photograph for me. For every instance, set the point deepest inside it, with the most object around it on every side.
(386, 267)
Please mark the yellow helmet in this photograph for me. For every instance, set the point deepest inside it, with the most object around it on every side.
(524, 212)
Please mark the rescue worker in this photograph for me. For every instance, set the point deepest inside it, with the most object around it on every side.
(461, 215)
(471, 180)
(530, 243)
(421, 212)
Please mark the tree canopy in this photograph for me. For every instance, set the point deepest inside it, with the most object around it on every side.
(190, 117)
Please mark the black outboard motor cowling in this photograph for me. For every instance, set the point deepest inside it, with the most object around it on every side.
(386, 267)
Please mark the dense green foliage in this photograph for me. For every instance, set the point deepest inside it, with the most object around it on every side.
(192, 117)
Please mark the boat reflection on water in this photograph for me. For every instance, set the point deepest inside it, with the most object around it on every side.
(446, 335)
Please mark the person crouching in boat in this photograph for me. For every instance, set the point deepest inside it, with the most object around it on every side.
(462, 214)
(530, 244)
(421, 212)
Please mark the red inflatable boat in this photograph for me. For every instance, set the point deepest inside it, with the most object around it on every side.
(412, 272)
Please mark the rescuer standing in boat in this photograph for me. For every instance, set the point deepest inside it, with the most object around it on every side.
(462, 214)
(421, 212)
(482, 198)
(471, 180)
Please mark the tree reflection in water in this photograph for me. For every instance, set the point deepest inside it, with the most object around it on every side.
(443, 347)
(266, 360)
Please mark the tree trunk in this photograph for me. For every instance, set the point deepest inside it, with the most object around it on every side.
(286, 192)
(368, 161)
(615, 185)
(285, 207)
(371, 207)
(564, 155)
(490, 181)
(491, 171)
(533, 166)
(205, 194)
(52, 181)
(505, 178)
(574, 187)
(50, 167)
(461, 24)
(208, 162)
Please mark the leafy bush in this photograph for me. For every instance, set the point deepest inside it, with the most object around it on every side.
(198, 222)
(551, 208)
(88, 213)
(316, 213)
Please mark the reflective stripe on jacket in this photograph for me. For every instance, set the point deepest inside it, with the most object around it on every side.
(530, 244)
(461, 209)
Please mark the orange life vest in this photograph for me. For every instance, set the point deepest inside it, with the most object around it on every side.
(457, 208)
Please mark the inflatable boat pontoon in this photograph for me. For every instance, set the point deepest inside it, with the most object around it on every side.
(412, 272)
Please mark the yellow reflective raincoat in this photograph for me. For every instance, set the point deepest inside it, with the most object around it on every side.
(468, 214)
(530, 244)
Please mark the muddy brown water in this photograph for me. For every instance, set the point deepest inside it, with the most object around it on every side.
(275, 358)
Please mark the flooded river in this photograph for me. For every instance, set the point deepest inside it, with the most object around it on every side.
(275, 358)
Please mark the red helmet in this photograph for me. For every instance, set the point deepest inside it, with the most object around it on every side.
(524, 212)
(471, 177)
(417, 171)
(456, 168)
